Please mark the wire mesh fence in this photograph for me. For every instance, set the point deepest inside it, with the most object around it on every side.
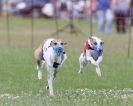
(29, 32)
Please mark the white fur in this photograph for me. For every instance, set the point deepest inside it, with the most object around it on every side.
(50, 57)
(88, 58)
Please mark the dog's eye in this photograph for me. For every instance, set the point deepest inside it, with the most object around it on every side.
(62, 43)
(95, 43)
(55, 43)
(101, 43)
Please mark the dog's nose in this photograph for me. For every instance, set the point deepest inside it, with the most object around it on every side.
(60, 50)
(100, 52)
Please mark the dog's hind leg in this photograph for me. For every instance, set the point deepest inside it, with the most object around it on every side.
(38, 54)
(39, 68)
(81, 63)
(81, 68)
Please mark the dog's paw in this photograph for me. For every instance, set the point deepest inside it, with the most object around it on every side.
(39, 75)
(98, 71)
(51, 95)
(80, 72)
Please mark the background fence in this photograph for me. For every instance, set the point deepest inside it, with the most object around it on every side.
(29, 32)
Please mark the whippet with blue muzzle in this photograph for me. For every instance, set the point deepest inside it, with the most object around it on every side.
(51, 53)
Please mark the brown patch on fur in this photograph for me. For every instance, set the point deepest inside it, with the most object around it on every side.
(38, 54)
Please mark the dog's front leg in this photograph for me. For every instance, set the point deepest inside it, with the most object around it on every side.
(100, 58)
(50, 78)
(82, 62)
(98, 71)
(63, 58)
(81, 68)
(91, 60)
(96, 64)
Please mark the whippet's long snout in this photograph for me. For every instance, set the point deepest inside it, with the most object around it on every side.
(60, 49)
(99, 50)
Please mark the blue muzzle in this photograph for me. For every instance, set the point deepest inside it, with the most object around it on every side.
(99, 50)
(58, 50)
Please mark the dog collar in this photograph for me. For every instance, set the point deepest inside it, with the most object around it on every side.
(55, 65)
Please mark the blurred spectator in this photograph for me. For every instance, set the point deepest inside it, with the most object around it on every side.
(80, 8)
(34, 8)
(73, 9)
(0, 7)
(91, 7)
(48, 10)
(63, 6)
(121, 12)
(8, 6)
(105, 15)
(56, 7)
(131, 12)
(63, 9)
(76, 9)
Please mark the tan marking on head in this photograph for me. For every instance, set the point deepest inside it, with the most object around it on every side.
(95, 38)
(58, 41)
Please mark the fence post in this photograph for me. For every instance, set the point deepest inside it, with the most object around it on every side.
(91, 23)
(130, 33)
(7, 24)
(32, 27)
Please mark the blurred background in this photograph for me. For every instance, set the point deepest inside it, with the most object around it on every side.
(104, 12)
(81, 9)
(92, 17)
(24, 24)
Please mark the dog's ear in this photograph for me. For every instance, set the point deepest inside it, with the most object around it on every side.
(64, 43)
(102, 42)
(91, 40)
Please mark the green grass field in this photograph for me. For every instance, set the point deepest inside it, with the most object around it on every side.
(19, 85)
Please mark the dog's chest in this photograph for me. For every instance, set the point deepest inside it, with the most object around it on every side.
(94, 55)
(56, 60)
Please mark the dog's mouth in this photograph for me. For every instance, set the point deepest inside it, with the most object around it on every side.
(58, 50)
(98, 50)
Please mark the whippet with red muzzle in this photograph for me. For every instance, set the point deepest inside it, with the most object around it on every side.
(92, 54)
